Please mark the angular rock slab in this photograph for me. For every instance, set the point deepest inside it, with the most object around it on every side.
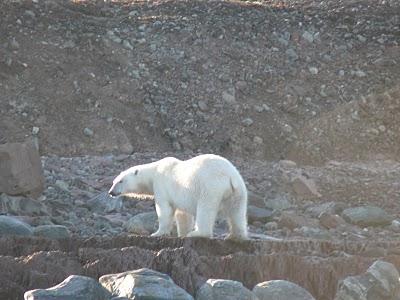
(222, 289)
(21, 206)
(381, 281)
(74, 287)
(367, 216)
(13, 226)
(143, 284)
(281, 290)
(143, 223)
(21, 170)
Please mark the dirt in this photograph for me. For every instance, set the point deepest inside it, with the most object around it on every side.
(102, 85)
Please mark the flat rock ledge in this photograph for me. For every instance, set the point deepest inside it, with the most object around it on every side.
(29, 262)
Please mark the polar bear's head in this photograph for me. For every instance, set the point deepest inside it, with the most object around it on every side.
(129, 181)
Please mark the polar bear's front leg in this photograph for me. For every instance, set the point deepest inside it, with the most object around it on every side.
(165, 218)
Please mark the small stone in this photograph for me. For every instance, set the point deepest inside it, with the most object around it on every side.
(35, 130)
(62, 185)
(359, 73)
(14, 44)
(127, 45)
(258, 140)
(361, 38)
(228, 98)
(291, 221)
(202, 105)
(271, 226)
(287, 164)
(309, 37)
(313, 70)
(395, 226)
(382, 128)
(88, 132)
(341, 73)
(291, 53)
(247, 122)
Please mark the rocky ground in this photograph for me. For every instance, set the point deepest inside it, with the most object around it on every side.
(303, 96)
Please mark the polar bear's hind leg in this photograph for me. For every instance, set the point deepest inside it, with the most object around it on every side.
(184, 223)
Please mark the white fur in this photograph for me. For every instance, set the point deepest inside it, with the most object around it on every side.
(201, 187)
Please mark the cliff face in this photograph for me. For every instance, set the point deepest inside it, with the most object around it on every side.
(30, 262)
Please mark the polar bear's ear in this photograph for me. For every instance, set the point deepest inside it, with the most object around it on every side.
(136, 171)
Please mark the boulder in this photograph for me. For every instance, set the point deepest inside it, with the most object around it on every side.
(223, 289)
(13, 226)
(105, 203)
(281, 290)
(143, 284)
(259, 214)
(143, 223)
(55, 232)
(381, 281)
(367, 216)
(74, 287)
(21, 170)
(17, 205)
(304, 187)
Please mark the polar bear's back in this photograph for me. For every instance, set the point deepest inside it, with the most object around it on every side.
(211, 172)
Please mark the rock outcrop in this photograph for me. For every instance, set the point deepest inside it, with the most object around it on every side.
(33, 262)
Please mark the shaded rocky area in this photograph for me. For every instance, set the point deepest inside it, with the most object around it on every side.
(315, 265)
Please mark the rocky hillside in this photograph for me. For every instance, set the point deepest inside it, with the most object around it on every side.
(248, 79)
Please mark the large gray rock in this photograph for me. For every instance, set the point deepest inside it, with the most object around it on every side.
(104, 203)
(222, 289)
(143, 284)
(278, 203)
(52, 231)
(367, 216)
(381, 281)
(13, 226)
(20, 169)
(17, 205)
(143, 223)
(259, 214)
(281, 290)
(74, 287)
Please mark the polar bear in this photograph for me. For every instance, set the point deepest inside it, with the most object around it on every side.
(201, 187)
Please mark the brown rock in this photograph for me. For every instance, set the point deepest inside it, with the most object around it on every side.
(331, 221)
(20, 170)
(305, 187)
(292, 221)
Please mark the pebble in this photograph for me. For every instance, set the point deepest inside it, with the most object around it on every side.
(313, 70)
(35, 130)
(248, 122)
(309, 37)
(88, 132)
